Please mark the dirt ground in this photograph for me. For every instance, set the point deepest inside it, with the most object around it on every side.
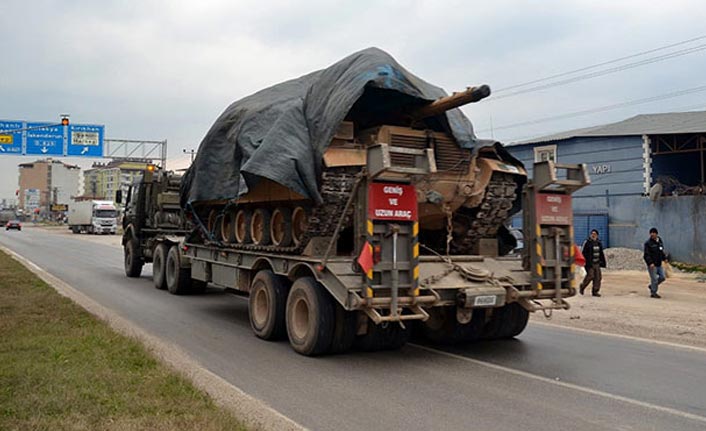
(625, 307)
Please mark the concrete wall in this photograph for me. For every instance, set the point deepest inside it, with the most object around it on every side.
(681, 222)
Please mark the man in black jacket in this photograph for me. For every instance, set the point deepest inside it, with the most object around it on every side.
(595, 260)
(654, 256)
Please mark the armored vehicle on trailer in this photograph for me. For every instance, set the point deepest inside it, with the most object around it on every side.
(354, 203)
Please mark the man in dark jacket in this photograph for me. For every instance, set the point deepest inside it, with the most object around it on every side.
(595, 260)
(654, 256)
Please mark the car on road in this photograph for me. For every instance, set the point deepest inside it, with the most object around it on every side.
(13, 224)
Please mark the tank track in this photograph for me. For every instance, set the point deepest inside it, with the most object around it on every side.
(336, 187)
(493, 211)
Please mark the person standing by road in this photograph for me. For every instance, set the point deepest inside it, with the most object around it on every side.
(654, 256)
(595, 260)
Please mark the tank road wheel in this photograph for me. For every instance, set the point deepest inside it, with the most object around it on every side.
(241, 229)
(267, 303)
(159, 265)
(281, 227)
(228, 227)
(260, 226)
(133, 261)
(212, 222)
(178, 278)
(300, 224)
(442, 327)
(310, 317)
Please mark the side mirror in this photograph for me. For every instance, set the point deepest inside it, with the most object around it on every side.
(119, 196)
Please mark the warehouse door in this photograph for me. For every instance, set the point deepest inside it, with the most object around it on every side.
(584, 223)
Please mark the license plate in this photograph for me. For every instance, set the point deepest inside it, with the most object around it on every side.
(485, 300)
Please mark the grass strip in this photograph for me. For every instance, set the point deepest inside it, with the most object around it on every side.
(61, 368)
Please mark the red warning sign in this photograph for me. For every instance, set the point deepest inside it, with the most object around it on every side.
(395, 202)
(553, 209)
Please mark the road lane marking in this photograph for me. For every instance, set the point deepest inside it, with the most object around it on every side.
(252, 411)
(626, 337)
(573, 386)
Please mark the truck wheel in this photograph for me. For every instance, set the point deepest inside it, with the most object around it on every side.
(75, 229)
(178, 278)
(310, 317)
(517, 322)
(281, 227)
(267, 303)
(385, 336)
(260, 226)
(506, 322)
(159, 264)
(344, 329)
(242, 226)
(442, 327)
(133, 262)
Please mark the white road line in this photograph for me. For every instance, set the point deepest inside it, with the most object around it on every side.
(596, 392)
(626, 337)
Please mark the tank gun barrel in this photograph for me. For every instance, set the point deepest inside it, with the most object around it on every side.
(443, 104)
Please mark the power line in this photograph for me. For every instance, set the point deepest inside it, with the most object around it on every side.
(605, 63)
(621, 68)
(602, 108)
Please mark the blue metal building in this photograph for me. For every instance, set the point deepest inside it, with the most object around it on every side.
(626, 161)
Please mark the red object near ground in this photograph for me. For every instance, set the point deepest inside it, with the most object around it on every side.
(578, 256)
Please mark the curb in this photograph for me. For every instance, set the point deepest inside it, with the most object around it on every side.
(252, 412)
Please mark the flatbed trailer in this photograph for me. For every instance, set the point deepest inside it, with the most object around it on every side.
(326, 302)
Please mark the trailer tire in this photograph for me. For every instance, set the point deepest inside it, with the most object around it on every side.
(517, 322)
(159, 266)
(344, 330)
(506, 322)
(310, 317)
(385, 336)
(133, 261)
(75, 229)
(443, 327)
(267, 305)
(178, 278)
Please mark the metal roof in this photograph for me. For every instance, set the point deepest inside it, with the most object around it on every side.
(644, 124)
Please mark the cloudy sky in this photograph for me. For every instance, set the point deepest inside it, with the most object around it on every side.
(158, 70)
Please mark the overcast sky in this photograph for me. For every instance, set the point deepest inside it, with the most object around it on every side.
(166, 69)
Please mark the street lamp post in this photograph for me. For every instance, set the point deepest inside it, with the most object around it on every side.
(191, 151)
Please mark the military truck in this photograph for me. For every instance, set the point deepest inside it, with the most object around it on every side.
(352, 204)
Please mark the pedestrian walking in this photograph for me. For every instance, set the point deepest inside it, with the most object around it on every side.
(595, 260)
(654, 257)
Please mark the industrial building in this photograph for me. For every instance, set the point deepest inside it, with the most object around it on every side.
(648, 170)
(44, 183)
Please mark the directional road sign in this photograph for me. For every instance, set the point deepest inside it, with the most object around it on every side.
(46, 139)
(11, 142)
(51, 139)
(85, 140)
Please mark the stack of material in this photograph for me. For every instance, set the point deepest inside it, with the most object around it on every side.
(620, 258)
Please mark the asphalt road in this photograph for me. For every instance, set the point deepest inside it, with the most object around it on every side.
(547, 379)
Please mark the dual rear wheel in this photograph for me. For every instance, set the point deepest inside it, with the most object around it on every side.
(312, 320)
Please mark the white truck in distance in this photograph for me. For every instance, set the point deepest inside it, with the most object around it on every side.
(93, 217)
